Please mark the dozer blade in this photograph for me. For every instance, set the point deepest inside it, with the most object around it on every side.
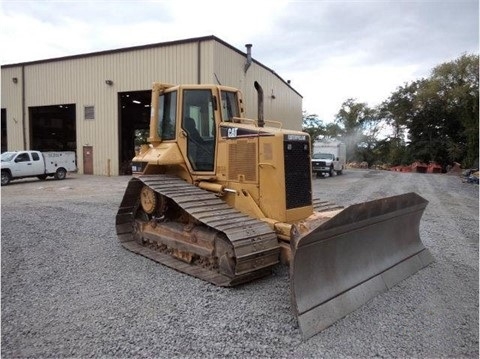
(359, 253)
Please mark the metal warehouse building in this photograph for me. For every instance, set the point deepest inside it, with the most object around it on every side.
(96, 104)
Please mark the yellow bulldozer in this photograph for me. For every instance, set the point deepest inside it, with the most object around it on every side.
(226, 198)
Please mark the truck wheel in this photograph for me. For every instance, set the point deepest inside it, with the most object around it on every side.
(42, 177)
(330, 173)
(6, 178)
(60, 174)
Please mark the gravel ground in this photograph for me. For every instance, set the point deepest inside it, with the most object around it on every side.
(70, 290)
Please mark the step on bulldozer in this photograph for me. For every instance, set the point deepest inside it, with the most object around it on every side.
(225, 198)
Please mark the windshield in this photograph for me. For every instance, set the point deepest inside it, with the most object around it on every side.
(7, 156)
(323, 156)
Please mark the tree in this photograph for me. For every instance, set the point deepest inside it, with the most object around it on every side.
(398, 108)
(313, 126)
(396, 111)
(332, 130)
(357, 123)
(436, 119)
(457, 84)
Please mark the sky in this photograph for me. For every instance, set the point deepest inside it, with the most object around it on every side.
(330, 50)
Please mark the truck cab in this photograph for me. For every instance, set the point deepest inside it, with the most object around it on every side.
(323, 163)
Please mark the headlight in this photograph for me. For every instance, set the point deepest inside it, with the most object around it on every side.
(138, 167)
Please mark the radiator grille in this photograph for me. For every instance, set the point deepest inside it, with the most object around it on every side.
(297, 174)
(242, 161)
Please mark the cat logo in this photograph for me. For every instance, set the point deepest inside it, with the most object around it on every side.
(232, 132)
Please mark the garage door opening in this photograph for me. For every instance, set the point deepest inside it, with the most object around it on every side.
(4, 142)
(134, 122)
(53, 128)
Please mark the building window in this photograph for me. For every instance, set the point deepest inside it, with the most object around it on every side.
(89, 112)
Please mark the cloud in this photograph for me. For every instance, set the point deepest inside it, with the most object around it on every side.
(47, 29)
(333, 51)
(330, 50)
(40, 39)
(103, 25)
(329, 87)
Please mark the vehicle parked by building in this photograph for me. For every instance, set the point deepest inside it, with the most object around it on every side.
(22, 164)
(328, 157)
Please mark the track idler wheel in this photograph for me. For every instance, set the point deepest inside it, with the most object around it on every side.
(151, 202)
(148, 199)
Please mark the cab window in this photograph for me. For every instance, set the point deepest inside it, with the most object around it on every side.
(22, 157)
(229, 106)
(167, 115)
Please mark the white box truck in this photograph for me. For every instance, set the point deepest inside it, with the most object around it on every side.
(328, 157)
(22, 164)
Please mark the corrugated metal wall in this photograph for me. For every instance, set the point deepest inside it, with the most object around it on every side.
(12, 101)
(81, 81)
(281, 103)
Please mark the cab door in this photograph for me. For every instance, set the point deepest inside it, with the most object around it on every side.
(23, 165)
(198, 124)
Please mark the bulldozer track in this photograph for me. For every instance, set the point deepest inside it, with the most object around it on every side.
(254, 243)
(320, 205)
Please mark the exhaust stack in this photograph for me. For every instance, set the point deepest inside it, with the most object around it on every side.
(249, 56)
(261, 120)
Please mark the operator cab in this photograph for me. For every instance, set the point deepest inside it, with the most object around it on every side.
(197, 120)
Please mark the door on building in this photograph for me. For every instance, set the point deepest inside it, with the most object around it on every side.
(88, 160)
(4, 131)
(134, 123)
(53, 128)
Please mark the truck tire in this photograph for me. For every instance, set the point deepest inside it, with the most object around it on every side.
(330, 173)
(6, 178)
(61, 173)
(340, 172)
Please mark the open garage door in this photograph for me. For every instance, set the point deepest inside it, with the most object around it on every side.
(53, 128)
(134, 125)
(4, 142)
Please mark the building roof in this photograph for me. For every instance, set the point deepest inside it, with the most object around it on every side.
(145, 47)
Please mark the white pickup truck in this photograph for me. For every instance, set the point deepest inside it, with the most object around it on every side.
(21, 164)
